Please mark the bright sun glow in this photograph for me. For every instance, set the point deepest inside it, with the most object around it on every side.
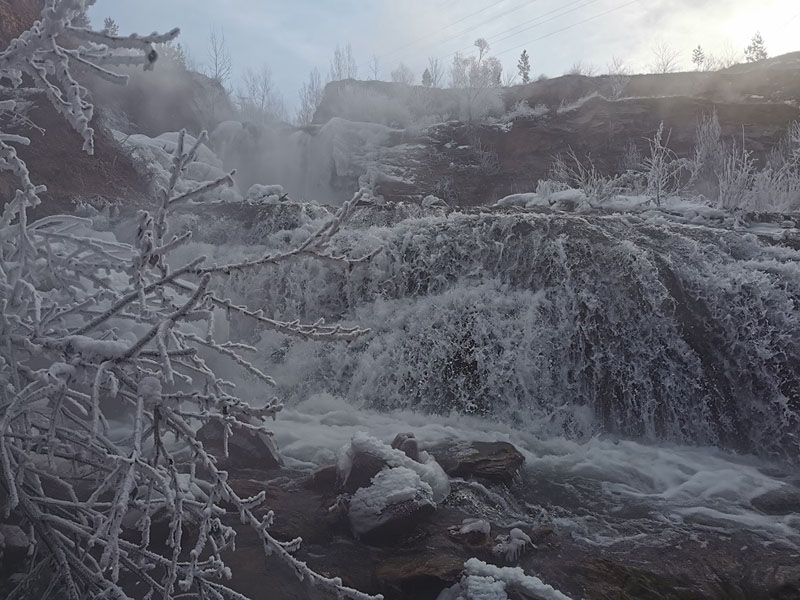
(777, 20)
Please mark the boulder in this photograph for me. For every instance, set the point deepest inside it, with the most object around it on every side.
(395, 503)
(495, 461)
(323, 480)
(781, 501)
(408, 444)
(245, 449)
(364, 466)
(367, 456)
(421, 575)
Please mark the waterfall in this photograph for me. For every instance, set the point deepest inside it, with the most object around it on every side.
(567, 324)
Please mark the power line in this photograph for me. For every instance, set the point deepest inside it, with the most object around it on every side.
(517, 31)
(461, 20)
(466, 31)
(552, 33)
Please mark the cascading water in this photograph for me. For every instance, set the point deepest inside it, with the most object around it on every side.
(564, 324)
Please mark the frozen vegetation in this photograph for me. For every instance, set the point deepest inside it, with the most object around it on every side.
(636, 343)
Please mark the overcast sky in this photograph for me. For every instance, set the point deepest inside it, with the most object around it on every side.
(294, 37)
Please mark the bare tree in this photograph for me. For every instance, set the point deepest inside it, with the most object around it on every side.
(220, 65)
(477, 77)
(619, 77)
(402, 74)
(310, 98)
(436, 69)
(666, 59)
(343, 64)
(259, 100)
(582, 68)
(374, 68)
(727, 56)
(509, 78)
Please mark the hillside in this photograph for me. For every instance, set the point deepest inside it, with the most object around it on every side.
(472, 164)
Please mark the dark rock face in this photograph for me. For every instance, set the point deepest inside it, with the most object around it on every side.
(495, 461)
(420, 576)
(477, 164)
(783, 501)
(398, 520)
(365, 467)
(245, 450)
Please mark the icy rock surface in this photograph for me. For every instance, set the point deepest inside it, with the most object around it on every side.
(482, 581)
(427, 468)
(396, 499)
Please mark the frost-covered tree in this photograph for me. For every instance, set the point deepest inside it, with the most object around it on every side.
(110, 26)
(524, 67)
(478, 78)
(175, 54)
(374, 67)
(220, 65)
(666, 59)
(436, 70)
(258, 99)
(619, 77)
(310, 97)
(403, 74)
(757, 50)
(427, 80)
(698, 57)
(90, 327)
(343, 64)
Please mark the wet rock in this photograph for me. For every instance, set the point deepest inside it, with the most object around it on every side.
(782, 501)
(394, 505)
(245, 449)
(408, 444)
(364, 467)
(472, 532)
(495, 461)
(323, 480)
(419, 576)
(608, 579)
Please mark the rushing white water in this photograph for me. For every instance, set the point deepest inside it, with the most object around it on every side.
(562, 324)
(626, 356)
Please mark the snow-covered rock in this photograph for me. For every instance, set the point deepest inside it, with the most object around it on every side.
(431, 200)
(396, 501)
(264, 194)
(427, 468)
(482, 581)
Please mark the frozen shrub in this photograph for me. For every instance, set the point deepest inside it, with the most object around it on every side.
(521, 110)
(572, 172)
(662, 168)
(94, 328)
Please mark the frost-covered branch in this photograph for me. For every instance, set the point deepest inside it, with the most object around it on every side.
(91, 327)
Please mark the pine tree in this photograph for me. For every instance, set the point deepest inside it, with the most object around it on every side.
(524, 66)
(110, 27)
(698, 57)
(756, 50)
(427, 80)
